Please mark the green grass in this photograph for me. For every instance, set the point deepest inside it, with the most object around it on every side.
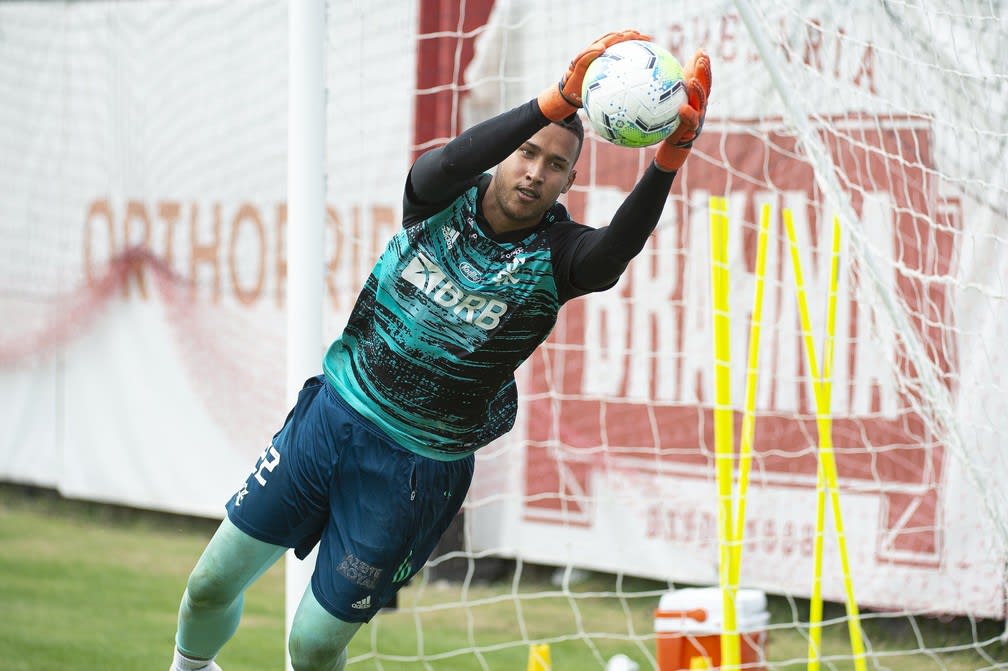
(88, 587)
(85, 587)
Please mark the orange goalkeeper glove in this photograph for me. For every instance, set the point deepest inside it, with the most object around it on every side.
(676, 147)
(559, 102)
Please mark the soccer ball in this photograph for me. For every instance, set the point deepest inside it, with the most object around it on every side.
(632, 93)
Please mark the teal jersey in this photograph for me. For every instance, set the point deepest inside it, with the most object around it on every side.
(451, 310)
(446, 316)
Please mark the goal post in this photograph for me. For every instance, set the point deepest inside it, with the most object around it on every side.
(305, 243)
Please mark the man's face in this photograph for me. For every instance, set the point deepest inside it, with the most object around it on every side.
(529, 181)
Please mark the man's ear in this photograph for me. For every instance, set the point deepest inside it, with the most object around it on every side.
(570, 181)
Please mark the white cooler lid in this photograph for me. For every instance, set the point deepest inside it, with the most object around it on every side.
(706, 602)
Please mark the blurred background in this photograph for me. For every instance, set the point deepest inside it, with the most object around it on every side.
(143, 275)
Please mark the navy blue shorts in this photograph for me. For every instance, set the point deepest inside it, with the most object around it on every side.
(376, 509)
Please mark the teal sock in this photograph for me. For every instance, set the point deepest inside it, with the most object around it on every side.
(202, 632)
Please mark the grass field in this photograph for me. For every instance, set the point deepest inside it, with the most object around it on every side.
(87, 587)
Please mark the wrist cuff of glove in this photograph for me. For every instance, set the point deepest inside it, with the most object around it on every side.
(553, 104)
(670, 157)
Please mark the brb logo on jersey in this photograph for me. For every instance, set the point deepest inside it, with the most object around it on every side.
(475, 309)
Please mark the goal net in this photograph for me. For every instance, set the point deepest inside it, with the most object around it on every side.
(142, 289)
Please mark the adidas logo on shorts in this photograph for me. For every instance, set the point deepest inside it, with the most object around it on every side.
(363, 603)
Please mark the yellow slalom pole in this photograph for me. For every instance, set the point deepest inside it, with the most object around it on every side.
(724, 439)
(826, 473)
(815, 600)
(749, 418)
(539, 658)
(830, 470)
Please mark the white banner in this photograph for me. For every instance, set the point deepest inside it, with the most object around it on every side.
(144, 216)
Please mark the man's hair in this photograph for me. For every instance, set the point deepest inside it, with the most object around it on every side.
(574, 125)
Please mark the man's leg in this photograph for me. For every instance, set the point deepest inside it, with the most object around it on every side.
(318, 640)
(212, 603)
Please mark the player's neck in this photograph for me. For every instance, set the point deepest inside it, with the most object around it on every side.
(500, 222)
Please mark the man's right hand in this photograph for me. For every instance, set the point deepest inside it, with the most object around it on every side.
(560, 101)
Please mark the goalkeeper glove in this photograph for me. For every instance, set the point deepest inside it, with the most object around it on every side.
(676, 147)
(559, 102)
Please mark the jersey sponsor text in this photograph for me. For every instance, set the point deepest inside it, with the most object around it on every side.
(473, 308)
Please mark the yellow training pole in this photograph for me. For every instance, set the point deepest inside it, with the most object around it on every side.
(749, 418)
(815, 601)
(830, 470)
(724, 439)
(826, 474)
(539, 658)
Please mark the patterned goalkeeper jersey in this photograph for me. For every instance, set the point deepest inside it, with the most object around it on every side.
(444, 319)
(451, 310)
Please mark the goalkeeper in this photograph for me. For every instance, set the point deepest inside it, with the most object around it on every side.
(376, 456)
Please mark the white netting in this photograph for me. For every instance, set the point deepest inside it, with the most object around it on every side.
(142, 267)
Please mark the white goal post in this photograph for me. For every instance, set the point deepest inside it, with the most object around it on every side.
(306, 212)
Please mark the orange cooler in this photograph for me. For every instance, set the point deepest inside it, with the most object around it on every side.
(689, 623)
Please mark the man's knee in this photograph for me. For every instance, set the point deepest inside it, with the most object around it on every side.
(312, 653)
(208, 589)
(318, 639)
(229, 564)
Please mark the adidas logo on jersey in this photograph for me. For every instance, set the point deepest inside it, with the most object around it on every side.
(450, 236)
(427, 276)
(362, 604)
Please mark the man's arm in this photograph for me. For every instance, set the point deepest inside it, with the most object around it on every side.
(441, 174)
(603, 254)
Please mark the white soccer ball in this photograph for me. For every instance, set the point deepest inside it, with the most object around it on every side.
(621, 662)
(632, 93)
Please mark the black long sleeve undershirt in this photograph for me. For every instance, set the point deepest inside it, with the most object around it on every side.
(603, 253)
(598, 256)
(441, 174)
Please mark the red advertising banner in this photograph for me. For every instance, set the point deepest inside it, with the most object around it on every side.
(652, 411)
